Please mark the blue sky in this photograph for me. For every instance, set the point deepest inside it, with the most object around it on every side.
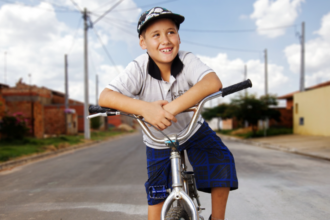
(36, 35)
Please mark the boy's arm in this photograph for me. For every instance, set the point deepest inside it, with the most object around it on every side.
(209, 84)
(152, 112)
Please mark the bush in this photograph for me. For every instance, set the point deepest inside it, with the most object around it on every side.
(96, 123)
(13, 127)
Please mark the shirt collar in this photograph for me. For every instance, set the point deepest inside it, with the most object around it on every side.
(154, 70)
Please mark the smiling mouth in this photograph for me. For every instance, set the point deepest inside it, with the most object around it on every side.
(166, 50)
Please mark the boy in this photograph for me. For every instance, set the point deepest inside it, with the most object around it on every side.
(168, 81)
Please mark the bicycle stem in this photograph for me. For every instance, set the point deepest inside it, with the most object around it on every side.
(196, 109)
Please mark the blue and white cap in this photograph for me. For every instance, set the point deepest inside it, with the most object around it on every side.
(155, 13)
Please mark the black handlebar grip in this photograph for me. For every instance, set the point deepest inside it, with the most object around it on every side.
(236, 87)
(98, 109)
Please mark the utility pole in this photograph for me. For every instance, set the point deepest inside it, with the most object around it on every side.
(32, 107)
(266, 73)
(66, 81)
(5, 68)
(302, 64)
(97, 89)
(86, 105)
(245, 76)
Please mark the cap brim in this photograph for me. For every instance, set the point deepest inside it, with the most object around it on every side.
(178, 19)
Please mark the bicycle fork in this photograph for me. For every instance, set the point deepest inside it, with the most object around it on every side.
(177, 184)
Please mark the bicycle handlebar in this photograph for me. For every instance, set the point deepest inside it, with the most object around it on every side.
(196, 109)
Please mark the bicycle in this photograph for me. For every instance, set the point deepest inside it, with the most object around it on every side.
(183, 181)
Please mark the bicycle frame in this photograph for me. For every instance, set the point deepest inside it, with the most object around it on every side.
(179, 192)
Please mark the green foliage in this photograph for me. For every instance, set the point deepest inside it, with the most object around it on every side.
(216, 112)
(249, 108)
(11, 149)
(13, 127)
(96, 123)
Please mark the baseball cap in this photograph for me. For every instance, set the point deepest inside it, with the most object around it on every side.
(155, 13)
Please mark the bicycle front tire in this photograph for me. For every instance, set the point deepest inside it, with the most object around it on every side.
(177, 213)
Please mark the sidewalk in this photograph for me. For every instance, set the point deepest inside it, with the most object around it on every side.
(314, 146)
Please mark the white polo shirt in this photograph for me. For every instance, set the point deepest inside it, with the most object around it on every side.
(142, 80)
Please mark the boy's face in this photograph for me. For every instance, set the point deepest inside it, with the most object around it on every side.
(162, 41)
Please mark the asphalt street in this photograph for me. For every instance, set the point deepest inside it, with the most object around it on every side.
(107, 182)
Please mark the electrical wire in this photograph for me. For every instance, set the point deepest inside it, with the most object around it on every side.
(77, 6)
(45, 9)
(105, 49)
(144, 6)
(110, 9)
(74, 37)
(103, 5)
(236, 31)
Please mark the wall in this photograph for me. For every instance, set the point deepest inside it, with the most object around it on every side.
(25, 108)
(314, 108)
(54, 120)
(286, 119)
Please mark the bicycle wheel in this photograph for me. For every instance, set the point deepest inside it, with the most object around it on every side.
(177, 213)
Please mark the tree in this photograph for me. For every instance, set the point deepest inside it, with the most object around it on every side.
(219, 111)
(249, 108)
(246, 108)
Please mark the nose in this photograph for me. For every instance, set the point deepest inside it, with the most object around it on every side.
(165, 39)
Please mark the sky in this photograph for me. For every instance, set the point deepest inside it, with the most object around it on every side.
(226, 35)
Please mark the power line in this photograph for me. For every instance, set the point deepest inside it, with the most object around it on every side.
(144, 6)
(102, 6)
(222, 48)
(77, 6)
(45, 9)
(74, 37)
(110, 9)
(106, 51)
(237, 31)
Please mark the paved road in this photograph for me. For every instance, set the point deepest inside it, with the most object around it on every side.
(107, 182)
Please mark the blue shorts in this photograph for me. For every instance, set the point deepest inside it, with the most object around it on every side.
(213, 163)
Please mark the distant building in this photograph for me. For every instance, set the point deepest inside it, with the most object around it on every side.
(310, 110)
(42, 108)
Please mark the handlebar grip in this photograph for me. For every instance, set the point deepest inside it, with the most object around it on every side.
(98, 109)
(236, 87)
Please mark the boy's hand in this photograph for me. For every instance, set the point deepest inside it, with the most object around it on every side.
(157, 116)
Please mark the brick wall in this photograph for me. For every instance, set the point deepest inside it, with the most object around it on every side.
(2, 106)
(54, 120)
(286, 119)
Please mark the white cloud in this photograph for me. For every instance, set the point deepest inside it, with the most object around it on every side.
(317, 55)
(277, 13)
(36, 41)
(231, 72)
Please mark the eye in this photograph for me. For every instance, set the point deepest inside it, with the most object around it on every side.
(156, 35)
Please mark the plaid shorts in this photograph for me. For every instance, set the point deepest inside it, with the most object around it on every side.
(213, 163)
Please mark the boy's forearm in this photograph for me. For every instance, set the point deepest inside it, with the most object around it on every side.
(115, 100)
(208, 85)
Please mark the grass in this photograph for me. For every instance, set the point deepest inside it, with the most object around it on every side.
(18, 148)
(260, 133)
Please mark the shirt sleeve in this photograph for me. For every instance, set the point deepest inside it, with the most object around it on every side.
(195, 69)
(129, 82)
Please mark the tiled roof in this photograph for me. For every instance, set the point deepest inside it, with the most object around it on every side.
(290, 95)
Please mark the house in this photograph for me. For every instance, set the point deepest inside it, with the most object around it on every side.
(310, 110)
(43, 109)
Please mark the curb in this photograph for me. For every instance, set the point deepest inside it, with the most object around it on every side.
(18, 162)
(273, 147)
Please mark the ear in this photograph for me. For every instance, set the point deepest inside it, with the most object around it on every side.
(179, 39)
(142, 43)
